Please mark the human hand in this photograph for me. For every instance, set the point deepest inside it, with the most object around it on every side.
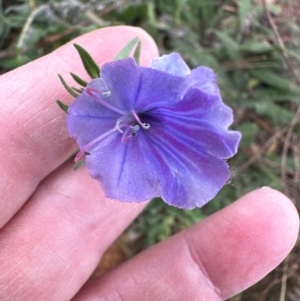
(57, 222)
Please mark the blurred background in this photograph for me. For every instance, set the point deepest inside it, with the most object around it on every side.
(256, 76)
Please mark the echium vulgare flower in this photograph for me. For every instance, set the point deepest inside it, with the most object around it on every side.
(160, 131)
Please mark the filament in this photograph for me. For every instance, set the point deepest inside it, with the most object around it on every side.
(92, 91)
(81, 154)
(145, 126)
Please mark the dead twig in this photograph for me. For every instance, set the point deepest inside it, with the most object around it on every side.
(280, 136)
(284, 279)
(280, 42)
(268, 288)
(255, 157)
(32, 5)
(294, 121)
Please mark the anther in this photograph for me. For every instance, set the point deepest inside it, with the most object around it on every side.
(106, 94)
(118, 125)
(144, 125)
(130, 131)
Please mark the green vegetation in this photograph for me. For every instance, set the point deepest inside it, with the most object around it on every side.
(232, 37)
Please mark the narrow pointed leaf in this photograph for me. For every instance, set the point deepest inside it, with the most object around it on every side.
(137, 52)
(68, 88)
(89, 64)
(231, 47)
(78, 80)
(125, 52)
(78, 164)
(63, 106)
(77, 90)
(244, 11)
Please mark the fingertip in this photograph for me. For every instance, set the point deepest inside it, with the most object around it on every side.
(31, 90)
(213, 260)
(103, 44)
(279, 210)
(246, 240)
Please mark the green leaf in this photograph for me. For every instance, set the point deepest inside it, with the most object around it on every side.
(244, 10)
(277, 113)
(79, 91)
(276, 95)
(68, 88)
(125, 51)
(78, 164)
(249, 131)
(89, 64)
(151, 16)
(274, 80)
(137, 52)
(78, 80)
(294, 53)
(63, 106)
(231, 47)
(258, 47)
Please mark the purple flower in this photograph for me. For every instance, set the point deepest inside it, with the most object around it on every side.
(152, 132)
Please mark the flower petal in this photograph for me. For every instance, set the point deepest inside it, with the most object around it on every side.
(158, 88)
(203, 78)
(139, 88)
(172, 64)
(126, 173)
(198, 106)
(208, 140)
(188, 178)
(180, 157)
(189, 149)
(122, 78)
(87, 119)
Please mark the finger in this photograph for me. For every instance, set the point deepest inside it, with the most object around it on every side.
(33, 136)
(53, 244)
(214, 260)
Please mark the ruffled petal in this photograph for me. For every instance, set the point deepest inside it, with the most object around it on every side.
(172, 64)
(198, 106)
(209, 140)
(124, 170)
(158, 88)
(181, 157)
(188, 177)
(139, 88)
(87, 119)
(203, 78)
(122, 78)
(190, 151)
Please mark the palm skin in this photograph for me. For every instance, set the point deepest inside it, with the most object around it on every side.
(56, 223)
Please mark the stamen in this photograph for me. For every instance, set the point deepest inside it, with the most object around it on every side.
(101, 86)
(82, 152)
(144, 125)
(118, 124)
(133, 132)
(91, 91)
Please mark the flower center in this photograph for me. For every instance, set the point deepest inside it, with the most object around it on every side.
(128, 125)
